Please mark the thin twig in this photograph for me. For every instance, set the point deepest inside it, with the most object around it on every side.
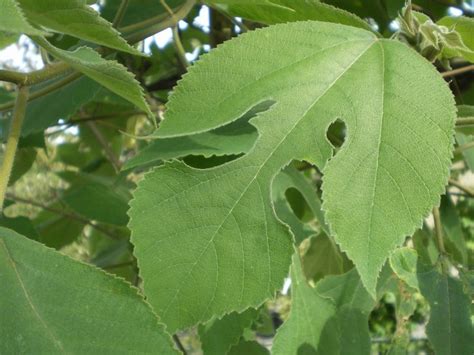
(120, 13)
(103, 142)
(438, 230)
(35, 77)
(464, 147)
(46, 90)
(464, 121)
(461, 187)
(179, 344)
(115, 266)
(458, 71)
(61, 212)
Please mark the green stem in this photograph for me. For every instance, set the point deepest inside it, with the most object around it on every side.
(438, 230)
(46, 90)
(465, 121)
(12, 142)
(461, 187)
(464, 147)
(120, 13)
(458, 71)
(179, 48)
(35, 77)
(148, 31)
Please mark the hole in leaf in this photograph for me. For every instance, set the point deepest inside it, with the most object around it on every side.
(201, 162)
(298, 205)
(240, 134)
(336, 133)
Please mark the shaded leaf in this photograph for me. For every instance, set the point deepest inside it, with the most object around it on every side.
(218, 336)
(281, 11)
(108, 73)
(248, 348)
(235, 138)
(309, 313)
(449, 328)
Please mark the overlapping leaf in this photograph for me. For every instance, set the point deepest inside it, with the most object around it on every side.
(53, 304)
(108, 73)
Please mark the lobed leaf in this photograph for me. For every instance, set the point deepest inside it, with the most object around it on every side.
(217, 246)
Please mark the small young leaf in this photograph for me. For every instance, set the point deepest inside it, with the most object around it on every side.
(54, 304)
(403, 262)
(464, 26)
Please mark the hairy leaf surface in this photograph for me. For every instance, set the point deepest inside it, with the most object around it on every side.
(52, 304)
(208, 241)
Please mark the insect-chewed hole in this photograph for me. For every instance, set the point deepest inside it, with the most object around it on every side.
(336, 133)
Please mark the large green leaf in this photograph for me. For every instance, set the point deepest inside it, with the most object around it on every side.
(376, 190)
(108, 73)
(76, 18)
(281, 11)
(53, 304)
(12, 19)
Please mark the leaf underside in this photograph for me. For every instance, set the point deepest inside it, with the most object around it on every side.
(208, 241)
